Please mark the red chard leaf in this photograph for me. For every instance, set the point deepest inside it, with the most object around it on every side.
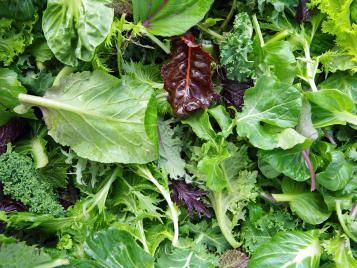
(187, 77)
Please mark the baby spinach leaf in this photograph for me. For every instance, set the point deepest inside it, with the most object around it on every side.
(309, 206)
(113, 248)
(290, 249)
(74, 29)
(331, 107)
(270, 112)
(170, 17)
(102, 118)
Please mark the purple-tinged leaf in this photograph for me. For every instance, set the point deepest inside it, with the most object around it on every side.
(233, 91)
(305, 155)
(10, 132)
(187, 77)
(183, 193)
(302, 12)
(234, 259)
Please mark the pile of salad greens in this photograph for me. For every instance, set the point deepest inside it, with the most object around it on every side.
(178, 133)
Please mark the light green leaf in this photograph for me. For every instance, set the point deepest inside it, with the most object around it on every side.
(290, 249)
(343, 82)
(331, 107)
(337, 174)
(200, 124)
(170, 17)
(100, 117)
(116, 249)
(10, 88)
(170, 148)
(220, 114)
(288, 162)
(340, 249)
(309, 206)
(187, 255)
(73, 29)
(270, 112)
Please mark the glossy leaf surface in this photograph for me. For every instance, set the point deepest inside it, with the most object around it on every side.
(187, 77)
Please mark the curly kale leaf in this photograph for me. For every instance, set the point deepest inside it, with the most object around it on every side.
(236, 47)
(22, 182)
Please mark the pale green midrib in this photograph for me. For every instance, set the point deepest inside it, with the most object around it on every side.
(56, 105)
(347, 116)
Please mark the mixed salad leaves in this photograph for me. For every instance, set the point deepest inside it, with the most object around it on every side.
(178, 133)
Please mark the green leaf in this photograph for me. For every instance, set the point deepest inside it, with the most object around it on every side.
(343, 82)
(170, 148)
(229, 204)
(209, 167)
(74, 29)
(340, 249)
(19, 9)
(288, 162)
(309, 206)
(290, 249)
(337, 173)
(19, 255)
(100, 117)
(331, 107)
(220, 114)
(113, 248)
(200, 124)
(10, 88)
(270, 112)
(170, 17)
(188, 254)
(235, 49)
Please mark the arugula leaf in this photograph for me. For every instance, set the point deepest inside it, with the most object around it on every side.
(331, 107)
(74, 29)
(102, 118)
(170, 17)
(290, 249)
(270, 112)
(309, 206)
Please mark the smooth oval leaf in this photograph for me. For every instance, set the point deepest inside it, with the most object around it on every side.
(289, 250)
(73, 29)
(170, 17)
(101, 117)
(270, 112)
(116, 249)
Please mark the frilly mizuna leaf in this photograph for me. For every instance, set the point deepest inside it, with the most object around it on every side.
(74, 28)
(187, 77)
(101, 117)
(170, 17)
(270, 112)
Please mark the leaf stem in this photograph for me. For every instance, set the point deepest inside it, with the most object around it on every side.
(311, 67)
(156, 40)
(229, 16)
(212, 33)
(342, 222)
(305, 155)
(146, 173)
(64, 72)
(258, 31)
(277, 37)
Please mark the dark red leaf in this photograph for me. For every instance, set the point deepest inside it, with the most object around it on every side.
(187, 77)
(233, 91)
(10, 132)
(234, 258)
(302, 12)
(186, 194)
